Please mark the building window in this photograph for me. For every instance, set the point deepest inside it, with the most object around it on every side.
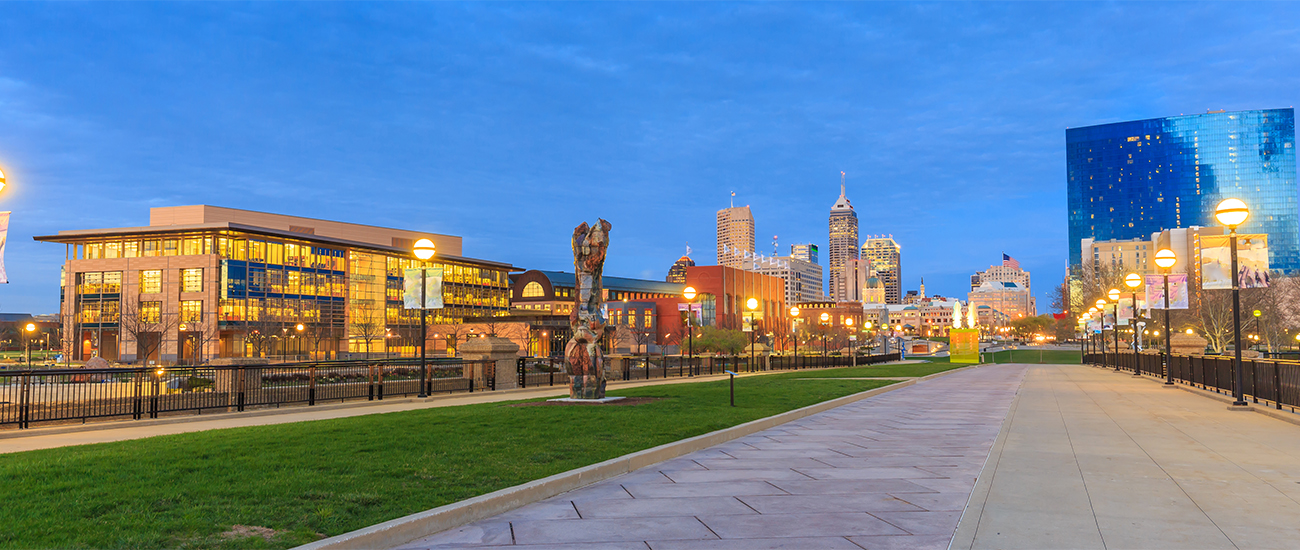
(533, 290)
(150, 312)
(151, 281)
(192, 280)
(191, 311)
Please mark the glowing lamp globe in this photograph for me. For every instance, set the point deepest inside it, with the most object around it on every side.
(688, 293)
(1113, 294)
(2, 180)
(826, 317)
(1133, 280)
(794, 311)
(1231, 213)
(1101, 304)
(751, 303)
(848, 322)
(1166, 258)
(31, 327)
(424, 249)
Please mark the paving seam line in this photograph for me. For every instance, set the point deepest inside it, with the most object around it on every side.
(399, 531)
(966, 532)
(1266, 410)
(297, 408)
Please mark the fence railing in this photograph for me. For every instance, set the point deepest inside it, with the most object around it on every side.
(1273, 381)
(60, 395)
(30, 397)
(544, 371)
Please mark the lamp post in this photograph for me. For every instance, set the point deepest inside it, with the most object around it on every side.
(751, 304)
(689, 294)
(853, 339)
(423, 250)
(1113, 294)
(1232, 213)
(794, 331)
(300, 328)
(1133, 281)
(826, 317)
(31, 327)
(867, 326)
(1101, 334)
(1165, 260)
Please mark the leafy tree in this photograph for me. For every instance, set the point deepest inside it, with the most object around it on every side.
(721, 340)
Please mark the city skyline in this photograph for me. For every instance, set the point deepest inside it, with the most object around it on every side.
(646, 115)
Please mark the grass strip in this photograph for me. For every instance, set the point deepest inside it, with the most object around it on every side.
(307, 480)
(1057, 357)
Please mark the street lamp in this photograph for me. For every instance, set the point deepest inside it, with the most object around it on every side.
(751, 304)
(300, 328)
(1232, 213)
(31, 327)
(423, 250)
(1165, 260)
(794, 331)
(689, 294)
(1133, 281)
(826, 317)
(1101, 334)
(867, 326)
(853, 339)
(1113, 294)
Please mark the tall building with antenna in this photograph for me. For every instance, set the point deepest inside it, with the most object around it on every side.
(735, 235)
(843, 245)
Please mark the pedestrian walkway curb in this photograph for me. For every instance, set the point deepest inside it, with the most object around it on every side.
(402, 530)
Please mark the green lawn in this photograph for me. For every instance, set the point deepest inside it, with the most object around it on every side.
(323, 478)
(879, 371)
(1034, 356)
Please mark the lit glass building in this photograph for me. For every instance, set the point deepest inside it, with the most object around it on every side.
(1131, 179)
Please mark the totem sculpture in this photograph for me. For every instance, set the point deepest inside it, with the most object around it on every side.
(582, 353)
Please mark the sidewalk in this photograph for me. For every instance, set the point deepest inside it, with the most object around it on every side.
(13, 441)
(892, 471)
(1091, 458)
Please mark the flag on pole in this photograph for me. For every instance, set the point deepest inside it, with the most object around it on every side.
(1008, 261)
(4, 236)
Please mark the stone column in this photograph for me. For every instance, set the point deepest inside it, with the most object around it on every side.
(499, 350)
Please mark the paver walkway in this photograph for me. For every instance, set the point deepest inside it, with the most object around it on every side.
(1098, 459)
(889, 472)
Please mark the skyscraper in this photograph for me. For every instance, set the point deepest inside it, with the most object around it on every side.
(805, 252)
(735, 235)
(1128, 180)
(843, 244)
(677, 273)
(887, 261)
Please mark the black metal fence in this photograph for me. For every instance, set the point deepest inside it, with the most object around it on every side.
(535, 372)
(1274, 381)
(60, 395)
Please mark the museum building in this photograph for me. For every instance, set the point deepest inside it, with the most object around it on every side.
(203, 281)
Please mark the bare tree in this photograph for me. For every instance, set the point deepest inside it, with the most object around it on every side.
(258, 335)
(315, 333)
(201, 333)
(1092, 284)
(367, 324)
(146, 327)
(643, 337)
(453, 333)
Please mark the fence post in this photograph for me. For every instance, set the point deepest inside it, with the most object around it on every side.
(25, 402)
(137, 410)
(521, 366)
(311, 386)
(153, 401)
(239, 384)
(380, 370)
(1277, 384)
(370, 380)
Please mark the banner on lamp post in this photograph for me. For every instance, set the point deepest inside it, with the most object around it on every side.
(1155, 287)
(432, 278)
(1216, 262)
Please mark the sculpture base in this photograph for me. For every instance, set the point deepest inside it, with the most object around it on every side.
(586, 387)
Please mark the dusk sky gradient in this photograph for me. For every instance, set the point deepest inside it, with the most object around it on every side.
(509, 124)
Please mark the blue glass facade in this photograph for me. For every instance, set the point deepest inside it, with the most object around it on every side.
(1131, 179)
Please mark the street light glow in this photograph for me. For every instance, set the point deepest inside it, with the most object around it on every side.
(424, 249)
(1113, 294)
(1165, 258)
(1231, 213)
(794, 311)
(752, 303)
(826, 317)
(688, 293)
(1133, 280)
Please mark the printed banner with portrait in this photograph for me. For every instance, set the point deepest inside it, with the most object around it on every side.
(1177, 291)
(1216, 262)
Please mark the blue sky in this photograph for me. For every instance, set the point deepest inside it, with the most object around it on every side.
(508, 124)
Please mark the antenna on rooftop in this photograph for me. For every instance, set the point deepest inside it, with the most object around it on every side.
(733, 199)
(775, 250)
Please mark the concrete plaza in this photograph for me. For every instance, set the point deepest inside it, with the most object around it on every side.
(1003, 456)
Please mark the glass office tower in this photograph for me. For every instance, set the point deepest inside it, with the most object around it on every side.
(1131, 179)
